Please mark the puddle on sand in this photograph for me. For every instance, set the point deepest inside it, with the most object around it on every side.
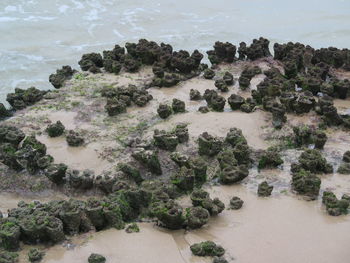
(81, 158)
(282, 229)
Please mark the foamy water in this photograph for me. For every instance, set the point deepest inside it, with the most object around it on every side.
(38, 36)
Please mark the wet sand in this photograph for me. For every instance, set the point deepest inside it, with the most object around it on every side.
(278, 229)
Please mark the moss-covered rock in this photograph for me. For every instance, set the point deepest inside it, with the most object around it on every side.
(74, 139)
(207, 249)
(270, 159)
(313, 161)
(209, 74)
(96, 258)
(334, 206)
(306, 183)
(209, 145)
(165, 140)
(195, 95)
(115, 106)
(236, 203)
(184, 179)
(235, 136)
(132, 228)
(35, 255)
(9, 234)
(178, 106)
(149, 159)
(164, 111)
(233, 174)
(196, 217)
(264, 189)
(56, 129)
(170, 214)
(8, 257)
(56, 173)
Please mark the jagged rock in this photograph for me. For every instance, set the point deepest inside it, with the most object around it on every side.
(131, 171)
(344, 168)
(164, 140)
(195, 95)
(169, 214)
(235, 136)
(35, 255)
(235, 101)
(57, 79)
(203, 109)
(196, 217)
(270, 159)
(181, 131)
(56, 173)
(228, 78)
(96, 258)
(306, 183)
(303, 135)
(209, 74)
(320, 139)
(199, 166)
(56, 129)
(233, 174)
(164, 111)
(313, 161)
(236, 203)
(149, 159)
(180, 159)
(334, 206)
(115, 106)
(221, 85)
(346, 157)
(264, 189)
(219, 260)
(209, 145)
(132, 228)
(207, 249)
(184, 179)
(74, 139)
(178, 106)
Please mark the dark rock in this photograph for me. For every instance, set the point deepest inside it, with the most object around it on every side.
(178, 106)
(209, 74)
(56, 129)
(57, 79)
(164, 140)
(115, 106)
(149, 159)
(221, 85)
(164, 111)
(35, 255)
(96, 258)
(264, 189)
(195, 95)
(207, 249)
(306, 183)
(196, 217)
(236, 203)
(203, 109)
(228, 78)
(56, 173)
(233, 174)
(209, 145)
(74, 139)
(270, 159)
(235, 101)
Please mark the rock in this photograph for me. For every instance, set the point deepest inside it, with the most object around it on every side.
(96, 258)
(8, 257)
(233, 174)
(199, 166)
(74, 139)
(226, 158)
(195, 95)
(228, 78)
(9, 234)
(203, 109)
(132, 228)
(164, 140)
(242, 153)
(209, 74)
(214, 206)
(320, 139)
(12, 135)
(223, 52)
(236, 203)
(221, 85)
(57, 79)
(346, 157)
(306, 183)
(344, 168)
(270, 159)
(278, 115)
(56, 173)
(264, 189)
(196, 217)
(184, 179)
(313, 161)
(23, 98)
(164, 111)
(209, 145)
(90, 60)
(149, 159)
(217, 103)
(180, 159)
(56, 129)
(4, 112)
(131, 171)
(302, 135)
(178, 106)
(207, 249)
(334, 206)
(169, 214)
(235, 101)
(181, 132)
(115, 106)
(35, 255)
(198, 196)
(235, 136)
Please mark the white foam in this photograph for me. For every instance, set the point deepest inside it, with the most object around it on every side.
(63, 9)
(8, 19)
(10, 8)
(118, 33)
(38, 18)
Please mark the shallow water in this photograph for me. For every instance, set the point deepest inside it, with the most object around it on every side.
(282, 229)
(38, 36)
